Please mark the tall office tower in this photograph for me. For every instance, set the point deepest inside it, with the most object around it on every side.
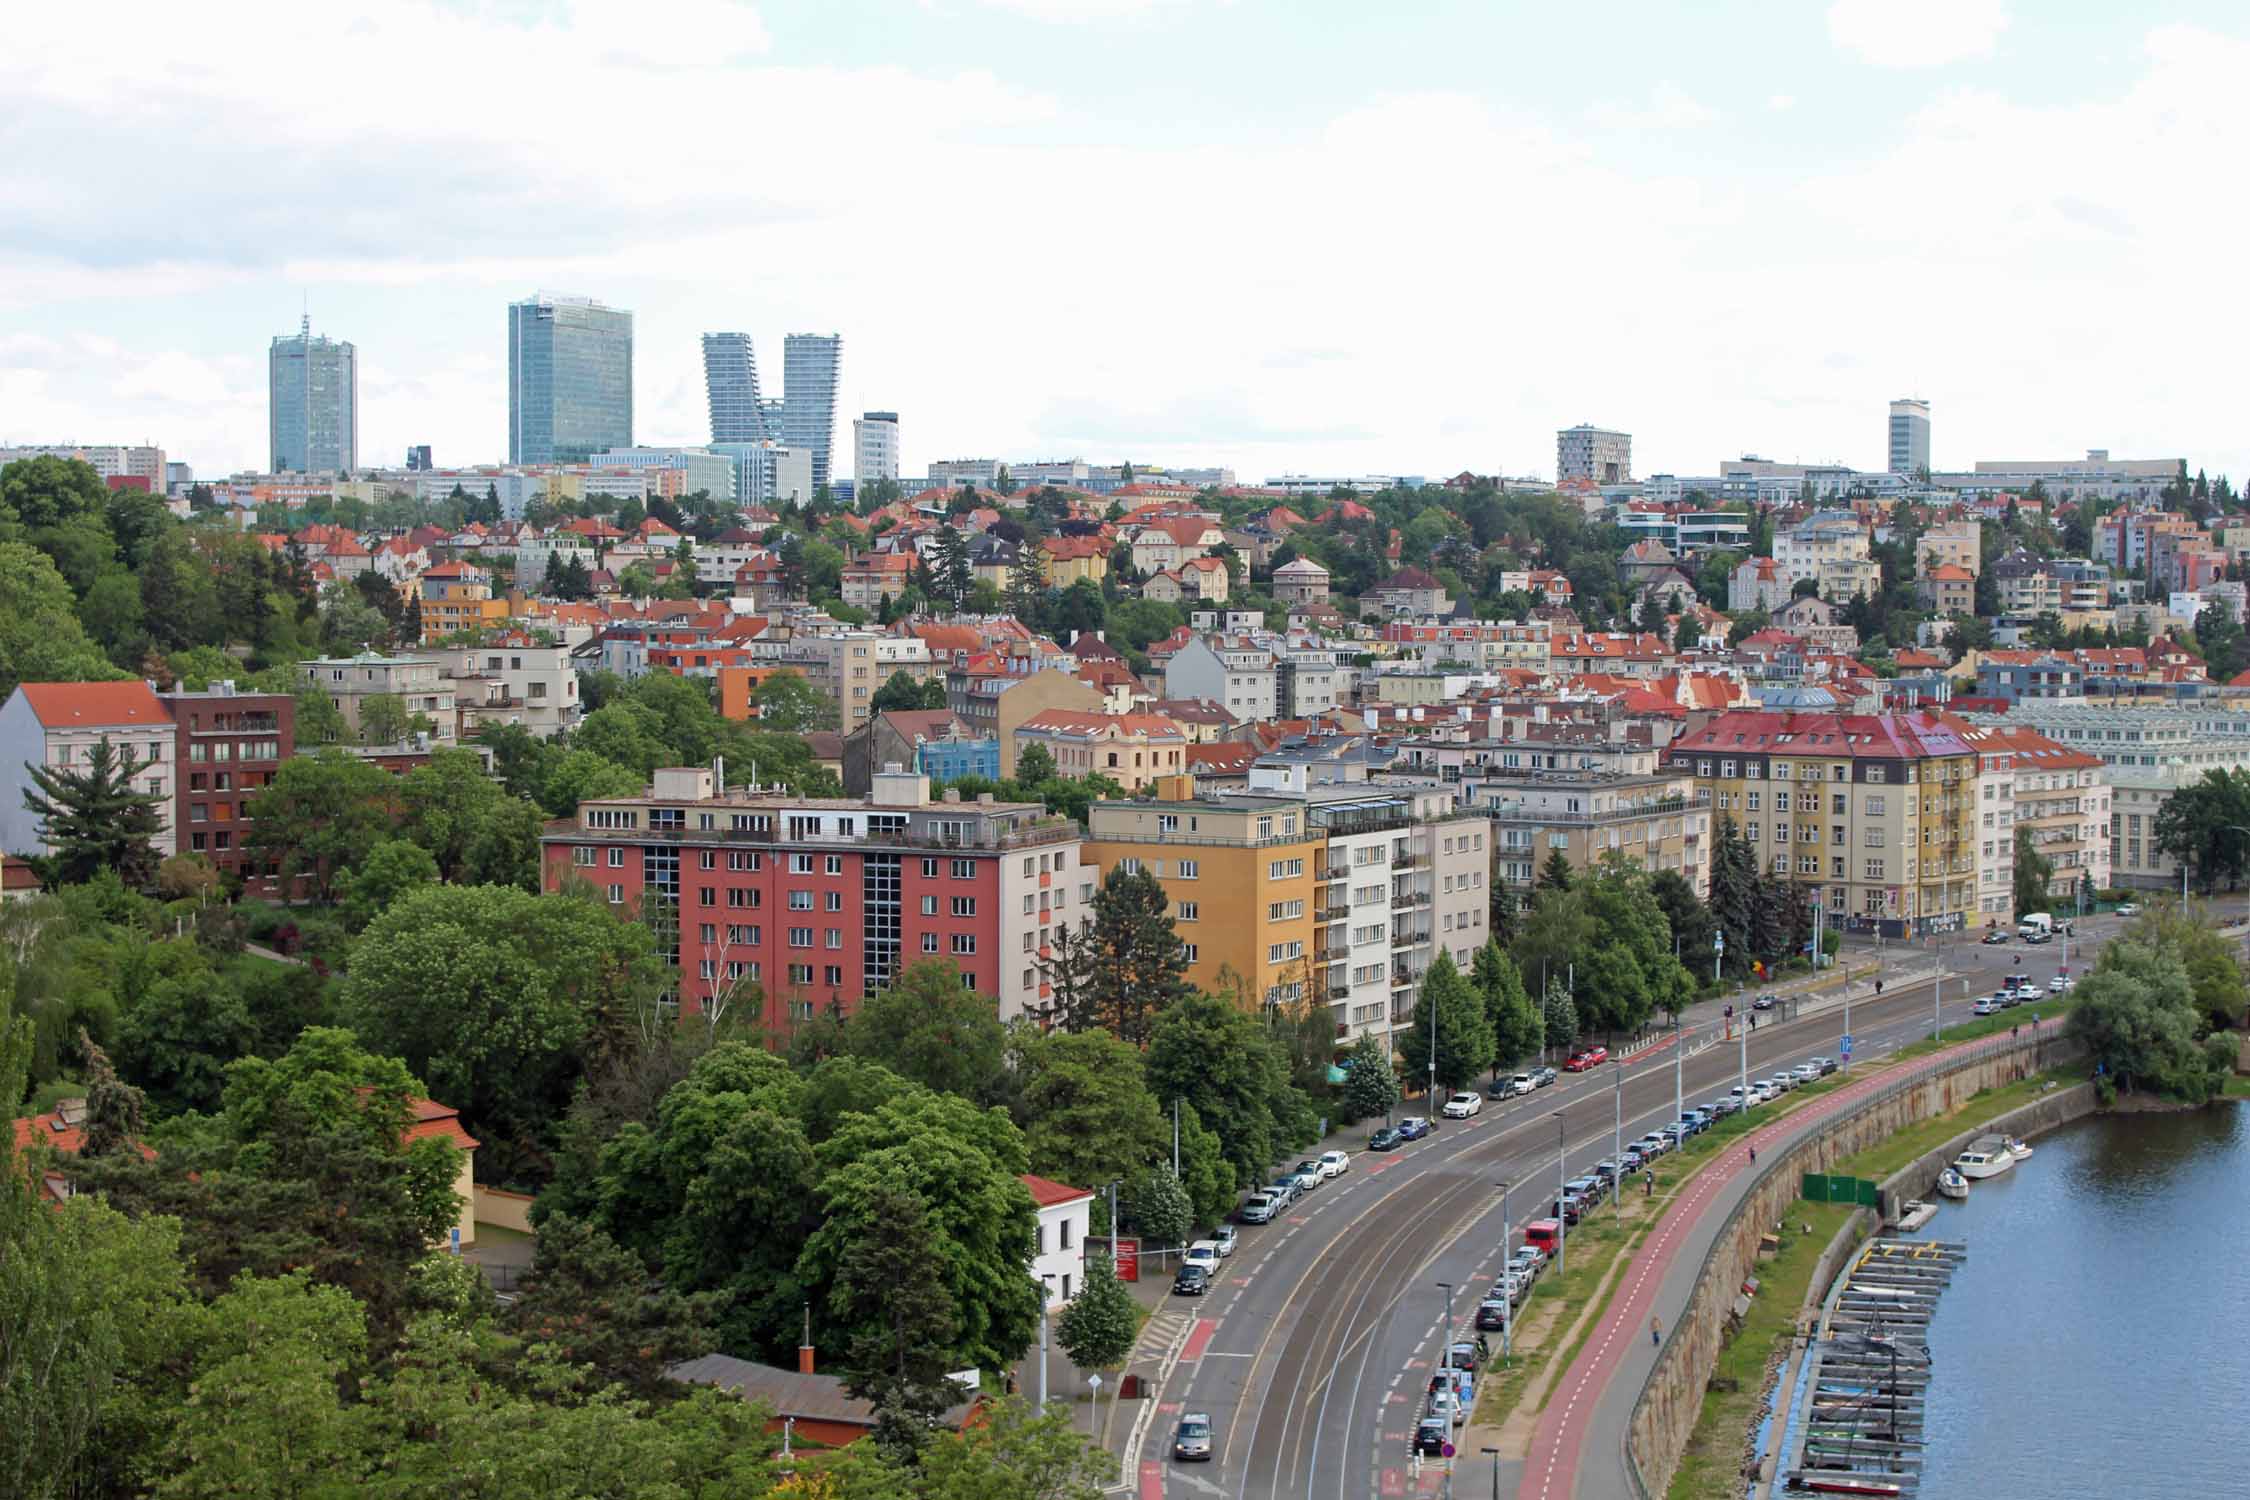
(1594, 455)
(1910, 436)
(875, 447)
(418, 458)
(730, 379)
(570, 379)
(810, 364)
(312, 400)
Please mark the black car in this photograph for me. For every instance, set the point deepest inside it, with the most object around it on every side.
(1765, 1002)
(1541, 1077)
(1492, 1312)
(1385, 1139)
(1993, 935)
(1431, 1434)
(1192, 1281)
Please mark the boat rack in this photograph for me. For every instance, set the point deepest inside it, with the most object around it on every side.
(1861, 1432)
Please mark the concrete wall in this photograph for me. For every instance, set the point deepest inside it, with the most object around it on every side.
(1672, 1398)
(1916, 1179)
(506, 1209)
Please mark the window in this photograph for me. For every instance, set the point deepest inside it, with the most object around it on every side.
(835, 937)
(1875, 806)
(835, 864)
(1874, 869)
(617, 859)
(1880, 773)
(964, 906)
(617, 895)
(929, 906)
(800, 900)
(1750, 802)
(929, 869)
(1284, 911)
(1874, 838)
(1190, 950)
(964, 869)
(1191, 869)
(800, 864)
(800, 937)
(1284, 869)
(1188, 911)
(581, 855)
(964, 942)
(707, 859)
(833, 900)
(929, 942)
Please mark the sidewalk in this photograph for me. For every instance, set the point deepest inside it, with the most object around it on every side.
(1168, 1322)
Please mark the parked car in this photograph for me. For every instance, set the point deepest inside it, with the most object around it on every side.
(1492, 1312)
(1541, 1077)
(1431, 1434)
(1652, 1146)
(1413, 1127)
(1448, 1404)
(1258, 1208)
(1725, 1104)
(1335, 1163)
(2128, 908)
(1463, 1356)
(1284, 1191)
(1826, 1065)
(1191, 1440)
(1385, 1139)
(1570, 1207)
(1765, 1002)
(1510, 1087)
(1763, 1092)
(1988, 1005)
(1632, 1160)
(1204, 1253)
(1463, 1105)
(1588, 1057)
(1606, 1169)
(1224, 1237)
(2060, 984)
(1805, 1073)
(1528, 1261)
(1192, 1281)
(1310, 1174)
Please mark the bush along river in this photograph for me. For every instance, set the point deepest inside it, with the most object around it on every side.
(2097, 1339)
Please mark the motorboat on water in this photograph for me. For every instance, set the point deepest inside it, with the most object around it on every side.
(2019, 1148)
(1844, 1483)
(1951, 1184)
(1987, 1156)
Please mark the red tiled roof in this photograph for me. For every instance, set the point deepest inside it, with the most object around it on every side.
(1226, 757)
(1067, 721)
(71, 705)
(1052, 1194)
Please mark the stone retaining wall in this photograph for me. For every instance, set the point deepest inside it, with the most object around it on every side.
(1672, 1397)
(1917, 1178)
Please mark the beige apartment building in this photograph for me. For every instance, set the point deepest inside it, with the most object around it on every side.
(850, 666)
(1656, 820)
(417, 681)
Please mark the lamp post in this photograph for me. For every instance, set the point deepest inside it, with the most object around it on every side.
(1617, 1148)
(1507, 1249)
(1562, 1220)
(1445, 1333)
(1494, 1454)
(1045, 1277)
(1679, 1051)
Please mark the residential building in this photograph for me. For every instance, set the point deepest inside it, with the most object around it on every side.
(1172, 540)
(849, 665)
(1593, 455)
(1132, 750)
(2027, 585)
(1909, 435)
(1409, 591)
(769, 472)
(1758, 583)
(1656, 820)
(312, 404)
(512, 679)
(975, 473)
(730, 385)
(872, 577)
(701, 471)
(457, 598)
(997, 704)
(416, 681)
(1874, 814)
(811, 364)
(813, 903)
(1199, 580)
(1241, 875)
(227, 745)
(1301, 581)
(2013, 676)
(1959, 543)
(1058, 1241)
(875, 446)
(798, 1403)
(2061, 796)
(930, 742)
(1948, 588)
(60, 724)
(1801, 550)
(1070, 558)
(570, 379)
(1234, 672)
(120, 465)
(1309, 679)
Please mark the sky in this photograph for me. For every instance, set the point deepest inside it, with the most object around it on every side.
(1311, 236)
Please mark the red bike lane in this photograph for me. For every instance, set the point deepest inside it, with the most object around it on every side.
(1558, 1442)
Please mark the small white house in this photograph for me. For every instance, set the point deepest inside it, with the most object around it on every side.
(1059, 1252)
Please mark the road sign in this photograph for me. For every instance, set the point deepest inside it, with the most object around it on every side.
(1847, 1045)
(1128, 1265)
(1446, 1449)
(1095, 1381)
(1718, 942)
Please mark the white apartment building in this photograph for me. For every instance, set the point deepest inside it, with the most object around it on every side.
(60, 724)
(875, 447)
(417, 681)
(518, 683)
(1239, 675)
(110, 460)
(700, 468)
(1802, 551)
(850, 665)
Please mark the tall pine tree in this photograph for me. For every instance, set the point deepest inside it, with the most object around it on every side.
(1127, 966)
(94, 819)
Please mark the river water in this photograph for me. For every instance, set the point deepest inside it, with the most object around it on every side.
(2097, 1342)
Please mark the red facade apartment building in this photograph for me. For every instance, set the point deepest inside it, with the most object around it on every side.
(818, 901)
(230, 745)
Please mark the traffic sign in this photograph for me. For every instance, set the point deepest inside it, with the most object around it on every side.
(1446, 1449)
(1718, 942)
(1847, 1044)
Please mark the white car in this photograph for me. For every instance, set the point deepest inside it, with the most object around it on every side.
(1335, 1163)
(2060, 984)
(1204, 1253)
(2128, 908)
(1985, 1006)
(1520, 1084)
(1224, 1238)
(1461, 1106)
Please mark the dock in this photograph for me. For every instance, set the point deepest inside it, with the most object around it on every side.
(1860, 1418)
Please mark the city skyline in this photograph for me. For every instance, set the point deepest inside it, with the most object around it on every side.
(114, 334)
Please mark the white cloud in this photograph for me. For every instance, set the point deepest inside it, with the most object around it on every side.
(1085, 10)
(1668, 107)
(1917, 33)
(1779, 102)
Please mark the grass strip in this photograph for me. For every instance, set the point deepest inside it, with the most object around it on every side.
(2049, 1013)
(1732, 1402)
(1885, 1157)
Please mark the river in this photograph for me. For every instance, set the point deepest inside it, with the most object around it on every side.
(2097, 1342)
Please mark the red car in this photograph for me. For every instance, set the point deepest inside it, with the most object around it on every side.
(1581, 1061)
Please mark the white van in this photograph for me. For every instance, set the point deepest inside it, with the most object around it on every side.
(2035, 927)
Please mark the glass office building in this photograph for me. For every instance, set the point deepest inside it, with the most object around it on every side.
(312, 404)
(810, 365)
(730, 380)
(570, 379)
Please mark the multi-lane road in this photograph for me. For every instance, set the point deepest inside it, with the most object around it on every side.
(1314, 1346)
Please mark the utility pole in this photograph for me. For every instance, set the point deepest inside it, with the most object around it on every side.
(1679, 1065)
(1562, 1220)
(1507, 1249)
(1043, 1280)
(1617, 1147)
(1175, 1137)
(1432, 1101)
(1113, 1227)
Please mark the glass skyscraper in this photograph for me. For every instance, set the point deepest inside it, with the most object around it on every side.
(730, 379)
(312, 402)
(570, 379)
(810, 365)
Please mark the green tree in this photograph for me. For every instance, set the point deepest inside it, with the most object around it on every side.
(321, 815)
(2203, 826)
(504, 849)
(1561, 1016)
(1084, 1106)
(595, 1304)
(582, 776)
(625, 733)
(41, 639)
(1015, 1452)
(391, 869)
(949, 563)
(1555, 873)
(1448, 1004)
(788, 704)
(925, 1027)
(499, 999)
(448, 801)
(1553, 936)
(2136, 1014)
(1129, 966)
(1097, 1329)
(1370, 1082)
(96, 819)
(1508, 1007)
(2034, 873)
(2215, 976)
(903, 692)
(1157, 1205)
(1226, 1065)
(178, 1035)
(1034, 766)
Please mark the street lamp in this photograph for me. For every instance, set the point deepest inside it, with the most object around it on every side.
(1508, 1306)
(1617, 1147)
(1045, 1277)
(1445, 1335)
(1562, 1220)
(1495, 1455)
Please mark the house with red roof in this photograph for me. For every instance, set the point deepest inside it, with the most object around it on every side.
(1058, 1249)
(59, 724)
(1132, 750)
(1167, 542)
(872, 577)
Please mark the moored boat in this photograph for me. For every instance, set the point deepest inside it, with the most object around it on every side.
(1987, 1156)
(1951, 1184)
(1844, 1484)
(2019, 1148)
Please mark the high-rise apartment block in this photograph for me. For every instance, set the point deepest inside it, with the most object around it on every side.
(730, 383)
(312, 400)
(810, 365)
(570, 379)
(875, 447)
(418, 459)
(1593, 455)
(1910, 436)
(804, 419)
(813, 903)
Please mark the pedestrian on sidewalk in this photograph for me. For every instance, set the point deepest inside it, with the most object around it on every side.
(1655, 1334)
(1753, 1156)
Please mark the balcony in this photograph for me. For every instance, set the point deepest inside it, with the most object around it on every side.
(1408, 900)
(1409, 862)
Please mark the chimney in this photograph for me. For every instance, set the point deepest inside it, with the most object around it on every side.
(719, 774)
(805, 1359)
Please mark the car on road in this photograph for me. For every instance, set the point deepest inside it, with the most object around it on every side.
(1765, 1002)
(2060, 984)
(1224, 1237)
(1412, 1127)
(1528, 1261)
(1447, 1405)
(1691, 1123)
(1463, 1356)
(1192, 1281)
(1988, 1005)
(1511, 1086)
(1309, 1174)
(1258, 1208)
(1541, 1077)
(1725, 1104)
(1652, 1145)
(1204, 1253)
(1431, 1435)
(1825, 1065)
(1764, 1091)
(1586, 1057)
(1335, 1163)
(1607, 1169)
(1632, 1161)
(1993, 935)
(1463, 1105)
(2128, 908)
(1804, 1073)
(1492, 1312)
(1284, 1192)
(1191, 1440)
(1385, 1139)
